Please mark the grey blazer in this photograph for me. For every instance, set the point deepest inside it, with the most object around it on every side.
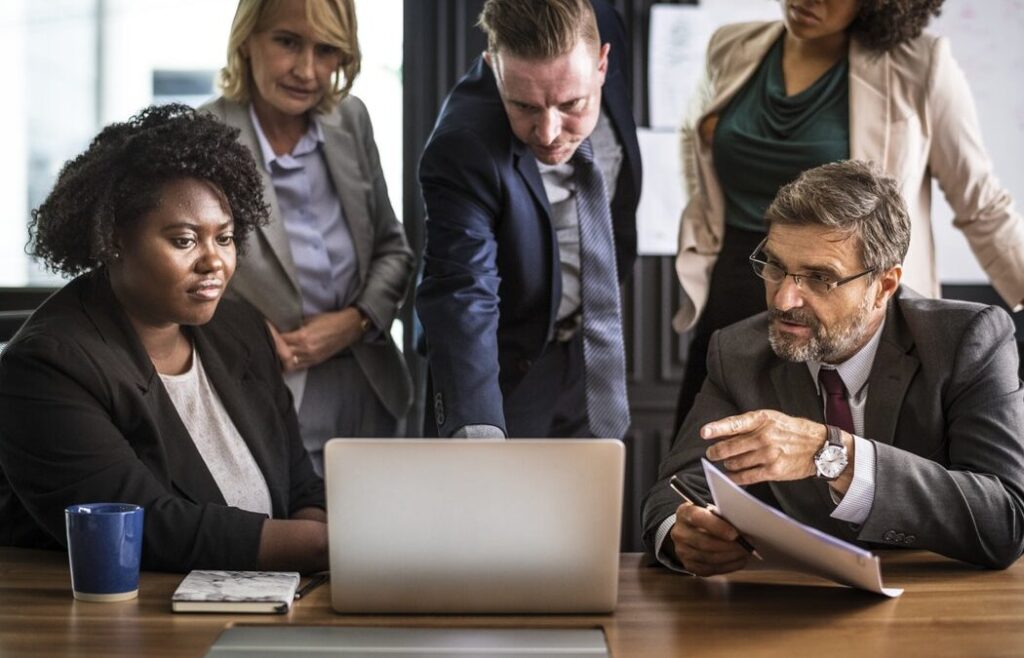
(945, 410)
(266, 275)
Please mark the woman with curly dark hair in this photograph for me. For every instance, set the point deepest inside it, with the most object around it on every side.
(833, 80)
(136, 382)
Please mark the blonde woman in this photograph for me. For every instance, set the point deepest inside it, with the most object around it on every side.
(330, 269)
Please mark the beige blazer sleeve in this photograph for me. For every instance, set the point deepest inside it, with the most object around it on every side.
(982, 208)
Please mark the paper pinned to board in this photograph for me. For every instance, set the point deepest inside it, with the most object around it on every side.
(678, 41)
(662, 198)
(788, 544)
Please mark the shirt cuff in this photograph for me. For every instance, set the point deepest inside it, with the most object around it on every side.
(373, 332)
(659, 539)
(479, 432)
(856, 504)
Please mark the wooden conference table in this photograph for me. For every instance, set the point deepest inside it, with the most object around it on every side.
(948, 609)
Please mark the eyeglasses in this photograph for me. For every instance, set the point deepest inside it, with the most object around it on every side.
(813, 282)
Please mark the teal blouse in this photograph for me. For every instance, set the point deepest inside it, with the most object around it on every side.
(765, 139)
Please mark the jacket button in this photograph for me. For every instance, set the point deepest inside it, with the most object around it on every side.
(889, 536)
(439, 416)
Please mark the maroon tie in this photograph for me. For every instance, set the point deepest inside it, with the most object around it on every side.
(837, 408)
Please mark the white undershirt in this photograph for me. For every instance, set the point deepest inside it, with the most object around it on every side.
(217, 439)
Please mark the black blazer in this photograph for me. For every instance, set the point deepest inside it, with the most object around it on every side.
(85, 418)
(491, 282)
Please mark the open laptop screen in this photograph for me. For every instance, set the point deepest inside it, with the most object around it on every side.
(474, 526)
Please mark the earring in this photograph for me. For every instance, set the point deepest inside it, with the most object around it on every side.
(116, 255)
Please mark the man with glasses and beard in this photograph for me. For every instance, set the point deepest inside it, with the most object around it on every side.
(852, 404)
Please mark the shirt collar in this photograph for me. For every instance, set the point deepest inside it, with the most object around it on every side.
(307, 143)
(855, 370)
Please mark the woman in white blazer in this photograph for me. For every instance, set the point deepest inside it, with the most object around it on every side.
(834, 79)
(331, 268)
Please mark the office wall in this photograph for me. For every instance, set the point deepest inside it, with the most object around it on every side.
(985, 38)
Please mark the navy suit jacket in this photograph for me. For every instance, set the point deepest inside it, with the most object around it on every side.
(491, 283)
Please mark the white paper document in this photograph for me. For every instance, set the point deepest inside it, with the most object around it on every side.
(788, 544)
(662, 198)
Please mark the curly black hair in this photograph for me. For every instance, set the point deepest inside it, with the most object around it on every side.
(882, 25)
(118, 180)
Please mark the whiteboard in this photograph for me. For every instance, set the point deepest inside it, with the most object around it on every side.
(987, 40)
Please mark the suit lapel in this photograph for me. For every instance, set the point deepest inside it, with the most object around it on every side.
(891, 374)
(227, 366)
(870, 106)
(188, 472)
(238, 115)
(185, 467)
(796, 391)
(106, 314)
(739, 68)
(340, 149)
(526, 166)
(613, 101)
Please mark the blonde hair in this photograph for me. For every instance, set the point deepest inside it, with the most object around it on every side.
(333, 23)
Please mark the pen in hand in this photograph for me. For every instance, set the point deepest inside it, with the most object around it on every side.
(692, 497)
(311, 584)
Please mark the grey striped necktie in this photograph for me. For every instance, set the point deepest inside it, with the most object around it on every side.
(603, 354)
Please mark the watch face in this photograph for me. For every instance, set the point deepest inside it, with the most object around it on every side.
(831, 461)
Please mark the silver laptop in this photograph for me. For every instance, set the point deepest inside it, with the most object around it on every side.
(457, 526)
(313, 641)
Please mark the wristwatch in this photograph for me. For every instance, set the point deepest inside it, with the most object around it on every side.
(831, 460)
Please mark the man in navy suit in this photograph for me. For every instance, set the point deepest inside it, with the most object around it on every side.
(501, 295)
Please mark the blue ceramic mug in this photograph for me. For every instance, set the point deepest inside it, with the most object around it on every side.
(104, 548)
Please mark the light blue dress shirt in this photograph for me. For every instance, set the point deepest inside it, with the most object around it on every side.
(314, 220)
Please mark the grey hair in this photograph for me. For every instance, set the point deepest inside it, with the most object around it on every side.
(852, 197)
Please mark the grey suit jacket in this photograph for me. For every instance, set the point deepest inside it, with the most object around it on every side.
(266, 275)
(945, 410)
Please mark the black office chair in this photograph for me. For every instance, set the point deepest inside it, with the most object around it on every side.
(10, 322)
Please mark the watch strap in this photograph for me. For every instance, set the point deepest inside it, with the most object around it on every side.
(834, 435)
